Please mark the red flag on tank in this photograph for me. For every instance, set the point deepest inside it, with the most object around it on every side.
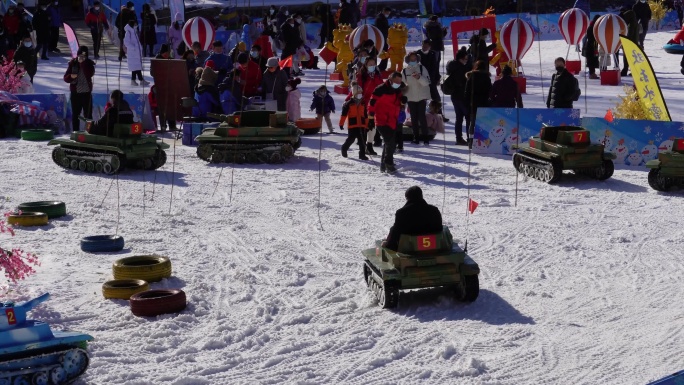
(472, 205)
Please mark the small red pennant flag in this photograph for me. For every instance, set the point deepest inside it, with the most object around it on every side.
(609, 116)
(472, 205)
(327, 55)
(287, 62)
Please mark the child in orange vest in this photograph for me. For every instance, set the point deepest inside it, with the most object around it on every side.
(354, 112)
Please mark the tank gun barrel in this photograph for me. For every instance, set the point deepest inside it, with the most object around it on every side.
(16, 314)
(221, 117)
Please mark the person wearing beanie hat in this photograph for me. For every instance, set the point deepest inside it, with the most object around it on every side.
(417, 217)
(79, 74)
(175, 36)
(294, 95)
(206, 94)
(97, 22)
(123, 19)
(273, 84)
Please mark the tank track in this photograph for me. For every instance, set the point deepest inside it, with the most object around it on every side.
(662, 183)
(103, 162)
(246, 153)
(56, 368)
(386, 293)
(535, 168)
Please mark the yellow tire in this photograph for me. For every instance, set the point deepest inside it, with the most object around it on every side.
(28, 219)
(123, 288)
(150, 268)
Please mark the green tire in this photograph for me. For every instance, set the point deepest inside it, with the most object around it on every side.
(37, 134)
(53, 209)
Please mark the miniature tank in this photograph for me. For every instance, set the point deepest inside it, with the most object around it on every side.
(563, 148)
(422, 261)
(668, 169)
(31, 353)
(126, 147)
(249, 137)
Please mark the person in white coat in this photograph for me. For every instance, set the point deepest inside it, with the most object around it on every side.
(134, 53)
(417, 79)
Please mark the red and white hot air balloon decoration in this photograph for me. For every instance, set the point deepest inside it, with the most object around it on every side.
(607, 31)
(573, 25)
(516, 37)
(365, 32)
(199, 29)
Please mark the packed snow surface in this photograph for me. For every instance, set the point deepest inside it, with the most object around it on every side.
(580, 282)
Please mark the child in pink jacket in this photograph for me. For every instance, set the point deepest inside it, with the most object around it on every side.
(294, 109)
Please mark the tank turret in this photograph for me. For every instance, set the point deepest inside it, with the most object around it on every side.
(668, 170)
(13, 316)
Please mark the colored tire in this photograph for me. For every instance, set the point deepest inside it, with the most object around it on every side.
(102, 243)
(150, 268)
(28, 219)
(53, 209)
(155, 302)
(123, 288)
(37, 135)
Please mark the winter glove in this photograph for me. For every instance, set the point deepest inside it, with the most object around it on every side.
(341, 128)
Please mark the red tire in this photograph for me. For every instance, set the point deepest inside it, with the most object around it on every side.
(155, 302)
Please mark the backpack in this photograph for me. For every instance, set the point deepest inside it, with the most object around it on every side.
(448, 85)
(578, 91)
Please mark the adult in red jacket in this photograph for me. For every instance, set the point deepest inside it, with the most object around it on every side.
(679, 39)
(250, 75)
(11, 23)
(97, 22)
(384, 108)
(79, 75)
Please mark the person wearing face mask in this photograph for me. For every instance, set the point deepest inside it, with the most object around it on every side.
(256, 57)
(27, 54)
(97, 22)
(356, 65)
(643, 15)
(429, 59)
(250, 75)
(119, 112)
(41, 24)
(382, 24)
(281, 18)
(292, 40)
(299, 22)
(294, 96)
(134, 51)
(354, 113)
(175, 36)
(273, 84)
(456, 71)
(25, 25)
(368, 79)
(417, 80)
(324, 105)
(384, 107)
(435, 32)
(55, 25)
(123, 19)
(79, 74)
(11, 22)
(562, 89)
(270, 22)
(148, 30)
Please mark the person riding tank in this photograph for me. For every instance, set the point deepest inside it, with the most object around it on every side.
(119, 112)
(415, 218)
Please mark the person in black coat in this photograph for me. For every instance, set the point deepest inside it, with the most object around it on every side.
(382, 24)
(505, 92)
(26, 53)
(41, 24)
(291, 38)
(477, 87)
(479, 50)
(348, 13)
(589, 50)
(562, 87)
(327, 24)
(436, 33)
(6, 42)
(456, 70)
(643, 15)
(417, 217)
(429, 58)
(122, 19)
(118, 113)
(148, 34)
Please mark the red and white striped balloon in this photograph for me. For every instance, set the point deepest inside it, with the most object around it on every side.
(365, 32)
(517, 37)
(573, 25)
(199, 29)
(607, 31)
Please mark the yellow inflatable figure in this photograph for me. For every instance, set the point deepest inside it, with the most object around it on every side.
(397, 38)
(340, 46)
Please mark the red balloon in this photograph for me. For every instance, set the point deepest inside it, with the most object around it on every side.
(516, 37)
(573, 25)
(199, 29)
(607, 31)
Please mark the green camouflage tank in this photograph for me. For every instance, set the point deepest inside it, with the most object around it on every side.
(249, 137)
(563, 148)
(422, 261)
(668, 169)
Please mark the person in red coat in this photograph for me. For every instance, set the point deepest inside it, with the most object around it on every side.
(79, 74)
(368, 79)
(97, 22)
(11, 22)
(679, 39)
(384, 107)
(250, 75)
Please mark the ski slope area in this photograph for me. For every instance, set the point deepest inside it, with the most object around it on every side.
(580, 281)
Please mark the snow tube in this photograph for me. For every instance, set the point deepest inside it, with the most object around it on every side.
(37, 134)
(155, 302)
(308, 125)
(150, 268)
(27, 218)
(100, 243)
(676, 49)
(123, 288)
(53, 209)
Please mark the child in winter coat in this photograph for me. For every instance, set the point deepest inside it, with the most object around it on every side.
(294, 108)
(354, 112)
(435, 123)
(324, 104)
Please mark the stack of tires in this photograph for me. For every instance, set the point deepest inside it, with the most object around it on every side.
(36, 213)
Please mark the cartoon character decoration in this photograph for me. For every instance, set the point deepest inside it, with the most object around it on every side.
(607, 141)
(621, 151)
(340, 46)
(511, 140)
(498, 134)
(397, 38)
(635, 159)
(666, 145)
(649, 152)
(480, 145)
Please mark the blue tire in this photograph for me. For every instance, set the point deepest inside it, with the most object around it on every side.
(102, 243)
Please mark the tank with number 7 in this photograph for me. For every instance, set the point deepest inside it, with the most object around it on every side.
(421, 261)
(563, 148)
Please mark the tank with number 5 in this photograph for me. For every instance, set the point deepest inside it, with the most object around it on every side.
(668, 170)
(563, 148)
(421, 261)
(32, 353)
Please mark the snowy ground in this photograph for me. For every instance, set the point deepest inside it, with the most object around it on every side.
(580, 282)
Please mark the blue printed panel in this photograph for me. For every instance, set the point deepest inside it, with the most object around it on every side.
(634, 142)
(48, 102)
(138, 102)
(497, 129)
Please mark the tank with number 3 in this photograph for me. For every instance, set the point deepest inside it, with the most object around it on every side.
(32, 353)
(668, 170)
(563, 148)
(421, 261)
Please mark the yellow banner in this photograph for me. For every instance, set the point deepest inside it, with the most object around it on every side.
(645, 81)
